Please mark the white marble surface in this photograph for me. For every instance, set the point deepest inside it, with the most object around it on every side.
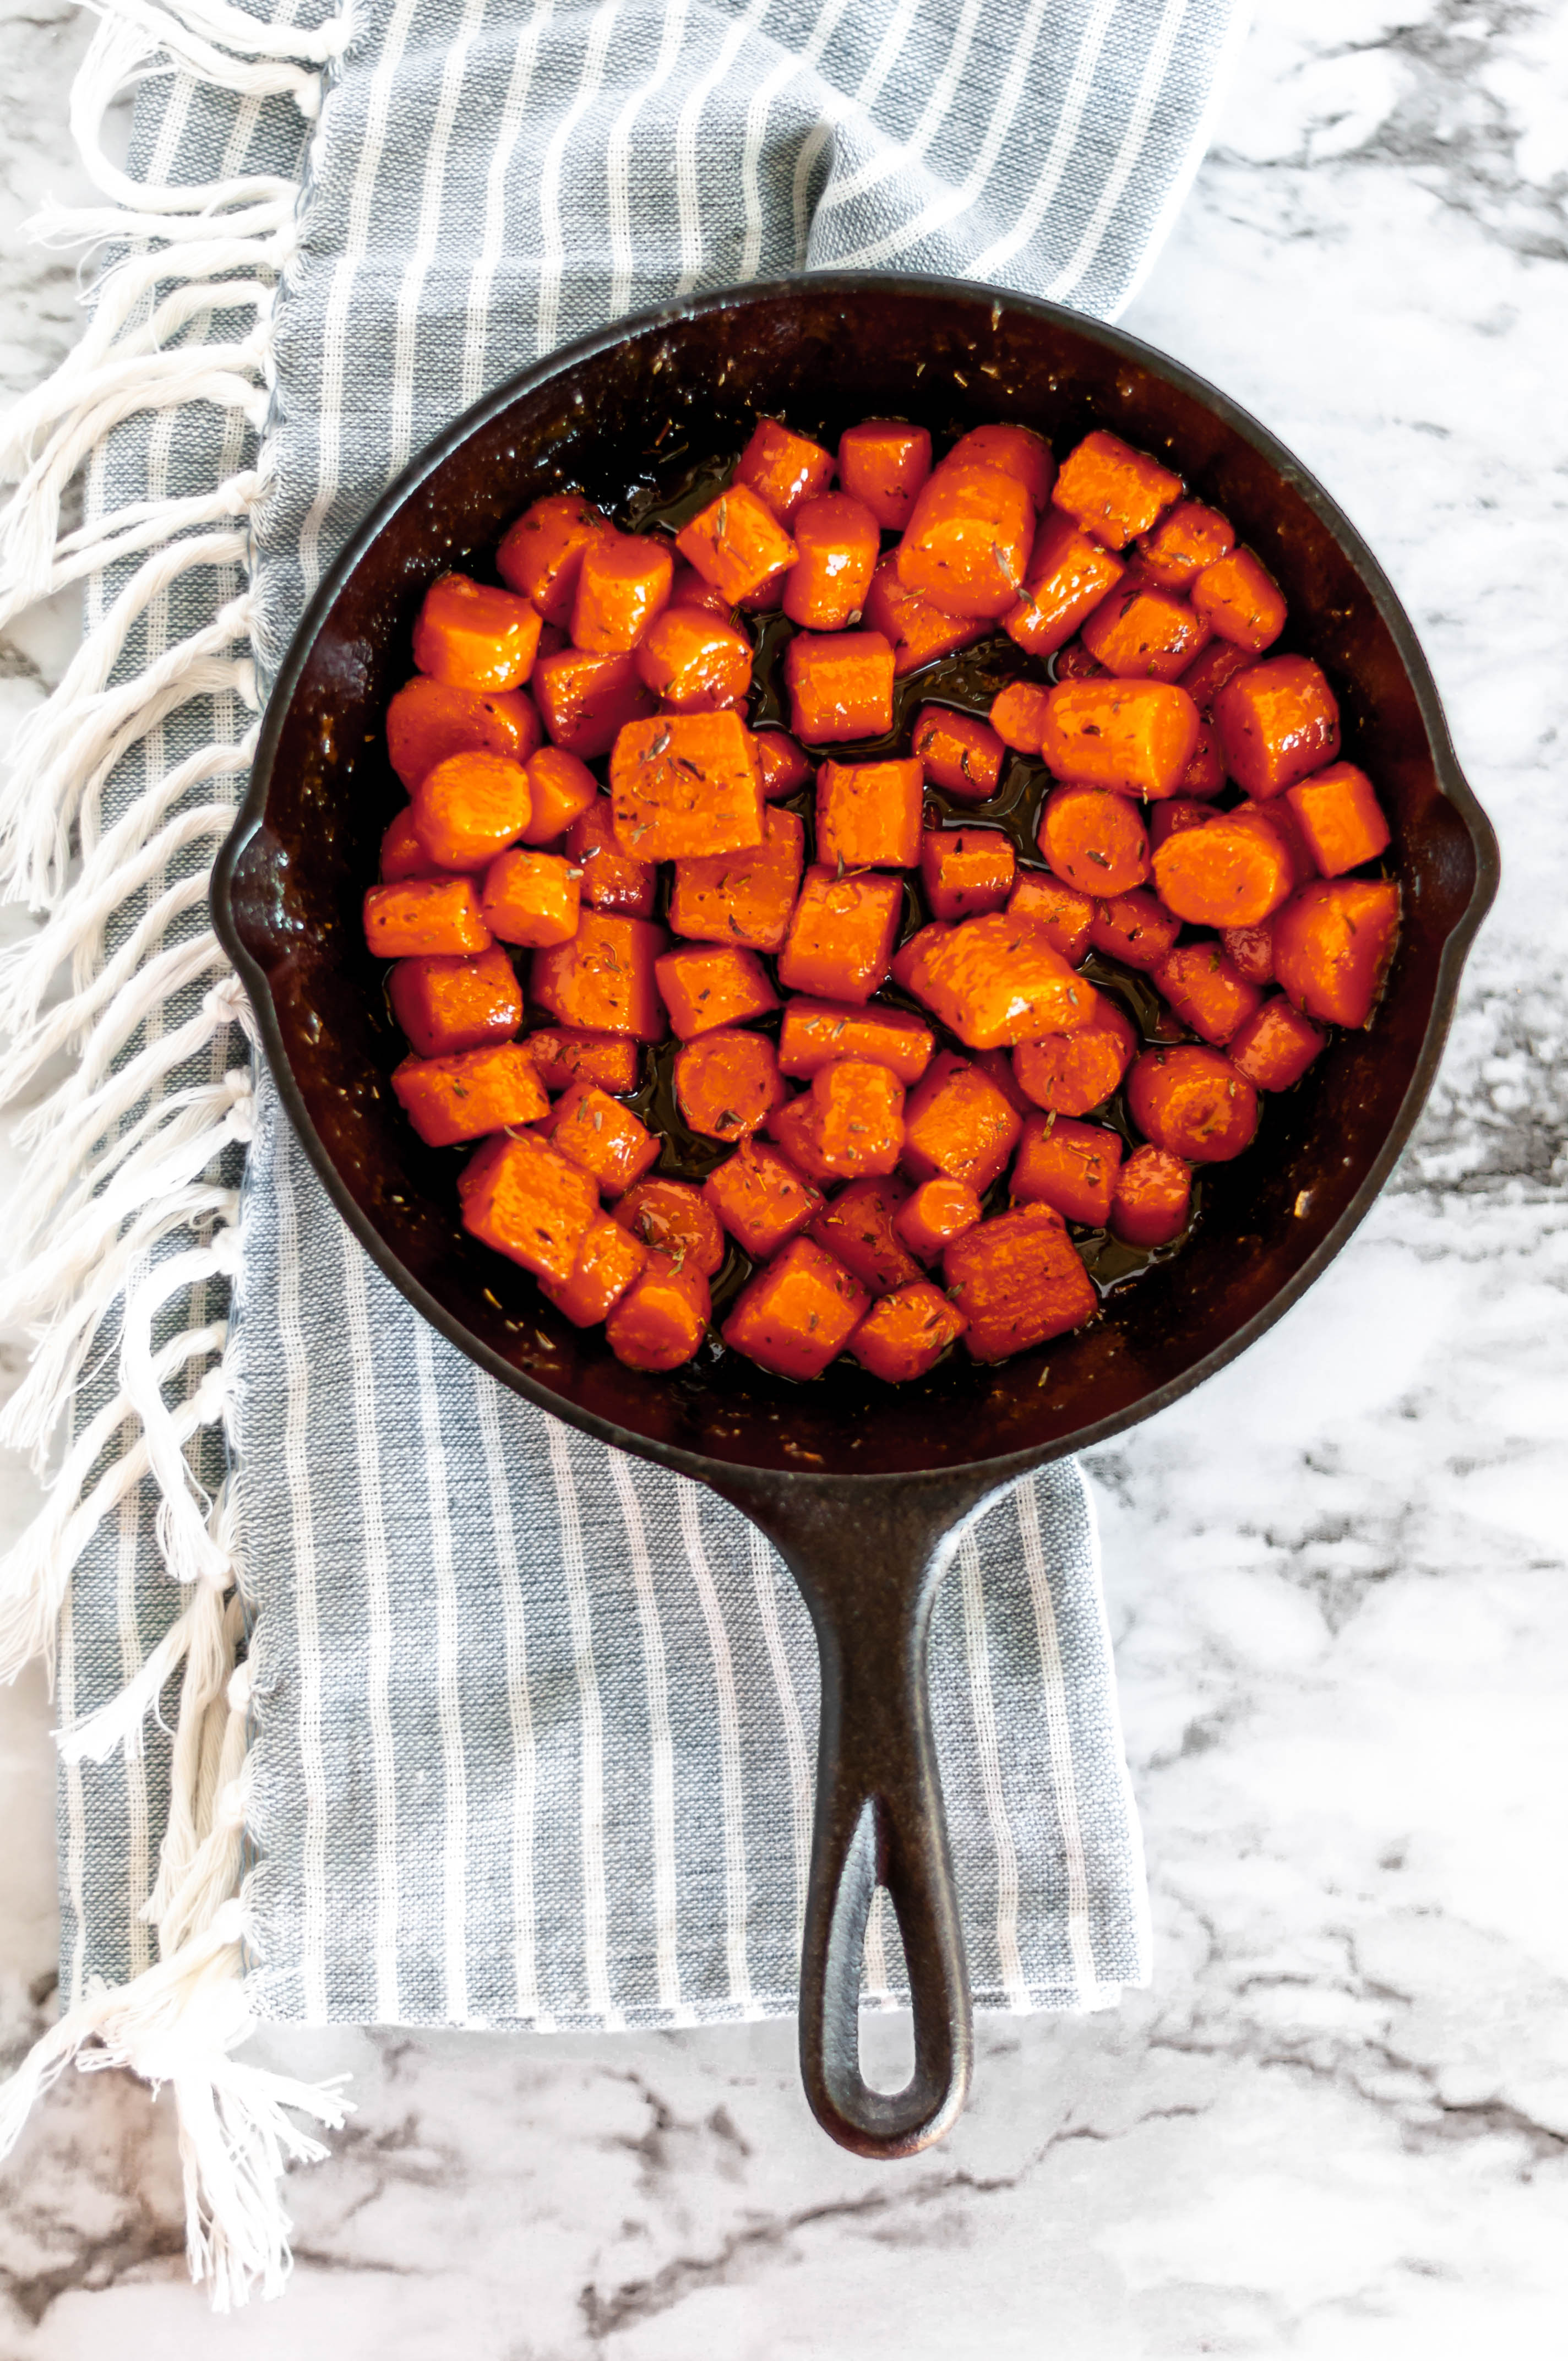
(1337, 2126)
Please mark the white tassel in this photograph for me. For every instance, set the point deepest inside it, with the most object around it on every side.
(114, 539)
(123, 51)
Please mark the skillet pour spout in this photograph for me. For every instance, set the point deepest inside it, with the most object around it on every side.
(862, 1487)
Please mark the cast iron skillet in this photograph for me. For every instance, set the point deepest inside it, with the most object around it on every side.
(863, 1489)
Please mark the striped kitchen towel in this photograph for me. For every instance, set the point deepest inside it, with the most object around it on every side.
(464, 1719)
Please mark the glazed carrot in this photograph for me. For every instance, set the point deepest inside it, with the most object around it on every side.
(1075, 662)
(934, 1215)
(609, 1259)
(728, 1083)
(428, 720)
(522, 1198)
(1192, 1103)
(560, 790)
(688, 589)
(815, 1032)
(586, 700)
(761, 1198)
(1134, 928)
(1094, 839)
(402, 856)
(1340, 818)
(672, 1219)
(840, 686)
(1222, 875)
(905, 1335)
(918, 631)
(1206, 675)
(1277, 721)
(867, 814)
(623, 583)
(1136, 737)
(609, 880)
(1018, 1280)
(1250, 951)
(562, 1055)
(1171, 816)
(1063, 914)
(471, 635)
(541, 554)
(957, 1122)
(660, 1322)
(737, 544)
(966, 541)
(1072, 1166)
(1240, 599)
(857, 1227)
(742, 898)
(1205, 773)
(684, 785)
(965, 870)
(463, 1097)
(1153, 1199)
(782, 764)
(908, 963)
(1112, 490)
(470, 807)
(448, 1003)
(958, 752)
(694, 662)
(603, 980)
(995, 981)
(600, 1136)
(1207, 992)
(1018, 715)
(884, 462)
(705, 985)
(1016, 450)
(841, 935)
(996, 1065)
(783, 468)
(1334, 945)
(1067, 576)
(1071, 1074)
(848, 1124)
(531, 898)
(1276, 1046)
(1187, 538)
(1275, 823)
(839, 540)
(797, 1315)
(1143, 632)
(425, 916)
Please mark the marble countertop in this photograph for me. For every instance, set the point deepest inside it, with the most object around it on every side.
(1337, 2127)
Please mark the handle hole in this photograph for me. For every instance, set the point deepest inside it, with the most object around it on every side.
(887, 2028)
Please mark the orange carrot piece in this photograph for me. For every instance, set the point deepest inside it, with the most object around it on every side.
(1277, 721)
(1018, 715)
(672, 1219)
(463, 1097)
(1171, 816)
(1276, 1046)
(1062, 914)
(1072, 1073)
(867, 814)
(1072, 1166)
(1207, 992)
(1275, 823)
(1334, 945)
(1112, 490)
(531, 898)
(623, 583)
(956, 1122)
(934, 1215)
(761, 1198)
(1205, 773)
(1240, 599)
(858, 1227)
(429, 720)
(560, 790)
(425, 916)
(849, 1122)
(1250, 951)
(957, 753)
(815, 1032)
(519, 1195)
(839, 540)
(995, 981)
(402, 856)
(1187, 538)
(905, 1335)
(586, 700)
(728, 1083)
(660, 1321)
(470, 807)
(1094, 839)
(965, 870)
(1135, 928)
(884, 462)
(705, 985)
(840, 686)
(783, 468)
(737, 544)
(603, 981)
(841, 935)
(1075, 662)
(1143, 632)
(472, 635)
(1153, 1199)
(541, 554)
(742, 898)
(797, 1315)
(564, 1055)
(448, 1003)
(684, 785)
(1192, 1103)
(1067, 576)
(966, 541)
(688, 589)
(1018, 1281)
(1340, 818)
(1222, 876)
(782, 764)
(601, 1137)
(1206, 675)
(694, 662)
(612, 880)
(1017, 450)
(608, 1260)
(1136, 737)
(916, 631)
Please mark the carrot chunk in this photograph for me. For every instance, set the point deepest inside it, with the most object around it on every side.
(519, 1195)
(815, 1032)
(1206, 675)
(1067, 576)
(934, 1215)
(1275, 823)
(905, 1335)
(908, 962)
(840, 686)
(429, 720)
(1136, 737)
(596, 1133)
(737, 544)
(1187, 538)
(423, 915)
(531, 898)
(858, 1227)
(1206, 991)
(697, 663)
(1171, 816)
(541, 554)
(688, 589)
(609, 1259)
(603, 981)
(1094, 839)
(1018, 1280)
(1222, 876)
(1276, 1045)
(623, 583)
(560, 790)
(1334, 945)
(705, 985)
(742, 898)
(966, 541)
(472, 635)
(1277, 721)
(1112, 490)
(562, 1055)
(685, 784)
(1143, 632)
(867, 814)
(470, 807)
(1069, 1165)
(1192, 1103)
(958, 752)
(1134, 928)
(1250, 951)
(995, 981)
(672, 1219)
(839, 540)
(660, 1322)
(402, 856)
(728, 1083)
(783, 468)
(1205, 773)
(957, 1122)
(799, 1314)
(1018, 715)
(884, 462)
(1340, 818)
(1062, 914)
(1016, 450)
(463, 1097)
(1071, 1074)
(841, 938)
(448, 1003)
(966, 869)
(1075, 662)
(761, 1198)
(612, 880)
(848, 1124)
(916, 631)
(782, 764)
(1153, 1199)
(586, 700)
(1240, 599)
